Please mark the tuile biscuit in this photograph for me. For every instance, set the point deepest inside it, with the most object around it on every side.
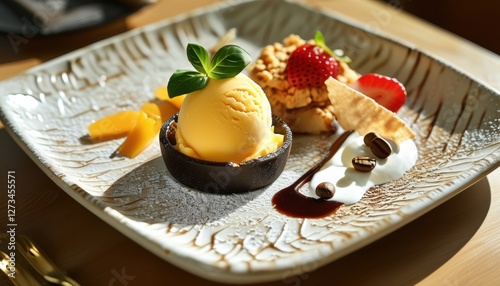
(355, 111)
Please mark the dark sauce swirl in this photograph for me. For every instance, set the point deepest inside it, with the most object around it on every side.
(290, 202)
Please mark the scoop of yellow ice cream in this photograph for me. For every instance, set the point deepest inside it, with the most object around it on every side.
(229, 120)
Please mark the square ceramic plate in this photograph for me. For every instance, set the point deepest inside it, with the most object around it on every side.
(241, 238)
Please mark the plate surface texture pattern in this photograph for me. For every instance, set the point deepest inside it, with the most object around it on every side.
(241, 237)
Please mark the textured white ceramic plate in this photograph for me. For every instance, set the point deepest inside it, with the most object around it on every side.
(241, 238)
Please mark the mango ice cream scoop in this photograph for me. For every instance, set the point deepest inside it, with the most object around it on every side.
(224, 139)
(230, 120)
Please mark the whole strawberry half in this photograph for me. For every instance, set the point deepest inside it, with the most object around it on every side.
(386, 91)
(309, 66)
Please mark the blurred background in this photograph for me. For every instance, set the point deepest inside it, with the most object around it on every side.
(477, 21)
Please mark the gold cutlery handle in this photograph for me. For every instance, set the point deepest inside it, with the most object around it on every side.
(42, 264)
(19, 276)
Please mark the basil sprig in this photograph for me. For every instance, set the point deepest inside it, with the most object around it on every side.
(338, 54)
(227, 62)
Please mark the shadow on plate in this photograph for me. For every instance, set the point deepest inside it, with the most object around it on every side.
(161, 199)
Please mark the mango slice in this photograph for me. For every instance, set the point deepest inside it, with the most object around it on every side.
(113, 126)
(140, 137)
(162, 110)
(140, 127)
(278, 139)
(161, 93)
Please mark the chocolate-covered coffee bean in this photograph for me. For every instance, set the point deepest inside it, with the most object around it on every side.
(325, 190)
(367, 139)
(380, 147)
(364, 163)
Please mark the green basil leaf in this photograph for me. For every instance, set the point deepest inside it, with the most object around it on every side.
(228, 61)
(319, 39)
(186, 81)
(198, 57)
(338, 54)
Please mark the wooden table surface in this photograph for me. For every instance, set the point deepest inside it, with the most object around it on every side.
(457, 243)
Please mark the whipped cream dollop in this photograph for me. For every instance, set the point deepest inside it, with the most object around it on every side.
(350, 184)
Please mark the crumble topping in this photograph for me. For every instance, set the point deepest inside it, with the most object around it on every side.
(305, 110)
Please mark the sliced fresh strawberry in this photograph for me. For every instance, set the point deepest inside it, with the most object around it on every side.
(386, 91)
(310, 66)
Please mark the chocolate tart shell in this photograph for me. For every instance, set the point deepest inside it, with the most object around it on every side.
(224, 177)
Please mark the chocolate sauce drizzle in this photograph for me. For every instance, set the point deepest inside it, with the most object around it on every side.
(290, 202)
